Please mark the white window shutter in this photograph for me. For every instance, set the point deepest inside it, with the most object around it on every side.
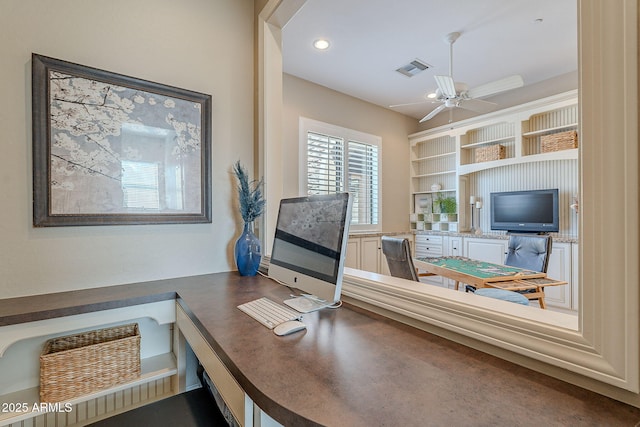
(338, 159)
(363, 182)
(325, 164)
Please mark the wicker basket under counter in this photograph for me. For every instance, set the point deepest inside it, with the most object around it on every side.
(490, 152)
(84, 363)
(559, 141)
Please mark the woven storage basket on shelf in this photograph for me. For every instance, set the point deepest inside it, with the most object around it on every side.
(81, 364)
(491, 152)
(559, 141)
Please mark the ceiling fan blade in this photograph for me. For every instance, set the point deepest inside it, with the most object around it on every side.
(477, 105)
(433, 113)
(508, 83)
(446, 85)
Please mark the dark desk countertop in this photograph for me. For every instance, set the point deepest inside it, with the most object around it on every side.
(350, 367)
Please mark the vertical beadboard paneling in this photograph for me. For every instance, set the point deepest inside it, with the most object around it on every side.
(90, 411)
(560, 174)
(492, 132)
(502, 133)
(434, 162)
(554, 121)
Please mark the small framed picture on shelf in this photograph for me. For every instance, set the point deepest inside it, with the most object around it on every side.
(423, 203)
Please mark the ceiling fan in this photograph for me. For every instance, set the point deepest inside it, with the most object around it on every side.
(452, 94)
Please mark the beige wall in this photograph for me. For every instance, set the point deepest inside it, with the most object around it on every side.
(201, 45)
(306, 99)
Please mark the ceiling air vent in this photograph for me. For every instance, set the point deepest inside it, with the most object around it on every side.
(412, 68)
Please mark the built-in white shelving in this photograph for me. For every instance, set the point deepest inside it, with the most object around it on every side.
(550, 130)
(448, 155)
(485, 143)
(434, 172)
(152, 368)
(158, 365)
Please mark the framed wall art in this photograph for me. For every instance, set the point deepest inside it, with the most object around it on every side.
(110, 149)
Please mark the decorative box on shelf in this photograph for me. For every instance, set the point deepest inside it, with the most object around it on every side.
(490, 152)
(559, 141)
(75, 365)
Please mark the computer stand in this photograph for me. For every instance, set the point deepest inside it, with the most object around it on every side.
(307, 303)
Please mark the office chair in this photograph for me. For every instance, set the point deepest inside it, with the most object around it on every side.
(503, 294)
(531, 252)
(398, 254)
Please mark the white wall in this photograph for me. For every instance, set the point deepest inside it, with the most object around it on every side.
(201, 45)
(306, 99)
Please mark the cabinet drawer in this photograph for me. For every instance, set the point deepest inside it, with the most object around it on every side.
(427, 250)
(428, 239)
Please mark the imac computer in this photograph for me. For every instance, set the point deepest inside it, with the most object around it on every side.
(309, 248)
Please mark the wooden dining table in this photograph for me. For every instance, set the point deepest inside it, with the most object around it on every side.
(482, 274)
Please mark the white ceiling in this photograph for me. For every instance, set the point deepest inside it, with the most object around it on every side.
(370, 39)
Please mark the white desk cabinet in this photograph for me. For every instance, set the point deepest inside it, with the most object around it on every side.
(365, 252)
(560, 263)
(353, 253)
(370, 254)
(429, 245)
(488, 250)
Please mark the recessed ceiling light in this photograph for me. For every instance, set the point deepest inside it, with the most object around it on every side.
(321, 44)
(538, 21)
(431, 95)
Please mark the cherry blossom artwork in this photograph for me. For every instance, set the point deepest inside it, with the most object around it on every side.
(112, 149)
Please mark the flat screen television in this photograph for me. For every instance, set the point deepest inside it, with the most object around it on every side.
(310, 244)
(525, 211)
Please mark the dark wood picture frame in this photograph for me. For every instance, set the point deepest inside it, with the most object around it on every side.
(110, 149)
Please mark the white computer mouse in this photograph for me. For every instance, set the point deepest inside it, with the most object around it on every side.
(289, 327)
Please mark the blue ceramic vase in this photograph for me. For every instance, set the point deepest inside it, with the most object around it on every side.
(247, 251)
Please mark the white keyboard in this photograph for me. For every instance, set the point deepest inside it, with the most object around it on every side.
(269, 313)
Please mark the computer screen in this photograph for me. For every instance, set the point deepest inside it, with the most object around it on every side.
(310, 244)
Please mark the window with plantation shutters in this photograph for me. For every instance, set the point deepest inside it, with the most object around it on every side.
(363, 181)
(325, 164)
(337, 159)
